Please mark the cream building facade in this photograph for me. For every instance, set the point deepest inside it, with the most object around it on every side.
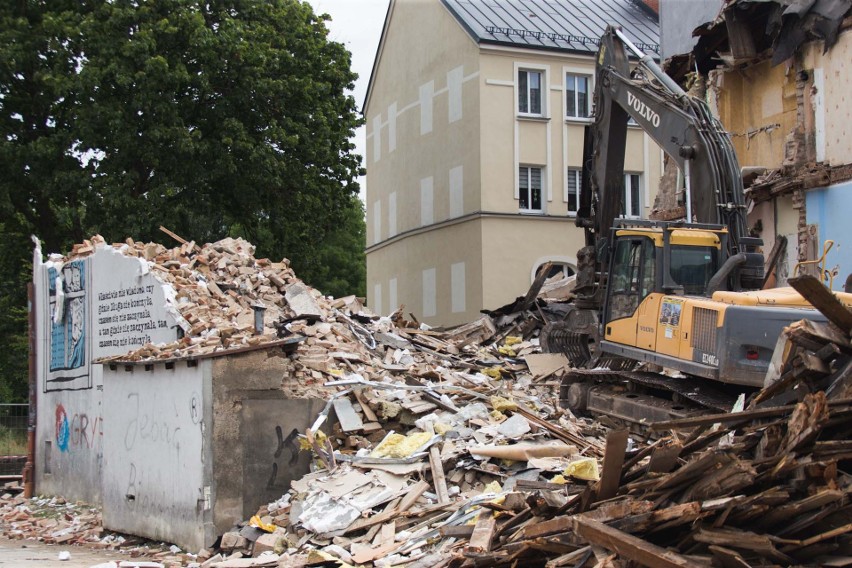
(474, 146)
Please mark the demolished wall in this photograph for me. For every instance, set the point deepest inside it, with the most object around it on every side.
(779, 78)
(87, 307)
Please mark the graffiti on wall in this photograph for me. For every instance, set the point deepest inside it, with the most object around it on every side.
(77, 431)
(69, 352)
(291, 446)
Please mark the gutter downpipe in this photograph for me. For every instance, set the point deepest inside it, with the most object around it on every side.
(29, 466)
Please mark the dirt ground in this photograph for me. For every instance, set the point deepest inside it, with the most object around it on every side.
(14, 553)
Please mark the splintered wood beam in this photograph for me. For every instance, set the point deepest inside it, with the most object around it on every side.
(438, 475)
(616, 446)
(627, 545)
(824, 300)
(727, 417)
(483, 532)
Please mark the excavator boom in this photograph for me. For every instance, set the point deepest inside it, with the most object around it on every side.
(685, 130)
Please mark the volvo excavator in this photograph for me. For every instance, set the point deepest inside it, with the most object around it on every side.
(683, 296)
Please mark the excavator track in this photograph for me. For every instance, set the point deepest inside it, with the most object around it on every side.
(638, 398)
(602, 384)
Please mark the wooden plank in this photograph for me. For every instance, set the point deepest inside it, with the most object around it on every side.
(824, 300)
(742, 540)
(727, 417)
(577, 558)
(820, 537)
(727, 557)
(550, 526)
(616, 445)
(461, 531)
(390, 512)
(412, 496)
(438, 475)
(664, 458)
(483, 532)
(605, 513)
(346, 415)
(365, 407)
(672, 516)
(628, 546)
(796, 508)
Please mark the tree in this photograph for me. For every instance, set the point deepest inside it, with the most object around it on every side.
(216, 118)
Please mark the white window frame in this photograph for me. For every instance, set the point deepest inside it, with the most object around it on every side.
(577, 70)
(544, 89)
(542, 194)
(589, 82)
(577, 175)
(566, 262)
(628, 199)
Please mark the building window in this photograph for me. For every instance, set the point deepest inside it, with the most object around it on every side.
(577, 89)
(529, 189)
(631, 207)
(557, 269)
(529, 92)
(572, 191)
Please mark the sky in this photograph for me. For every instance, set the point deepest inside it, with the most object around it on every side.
(358, 25)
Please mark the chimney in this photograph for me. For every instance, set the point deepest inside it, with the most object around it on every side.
(653, 5)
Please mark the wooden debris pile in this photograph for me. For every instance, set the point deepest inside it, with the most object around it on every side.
(463, 468)
(762, 487)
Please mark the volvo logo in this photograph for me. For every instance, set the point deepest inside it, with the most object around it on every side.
(643, 110)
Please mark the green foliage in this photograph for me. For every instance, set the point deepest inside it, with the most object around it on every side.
(212, 118)
(341, 261)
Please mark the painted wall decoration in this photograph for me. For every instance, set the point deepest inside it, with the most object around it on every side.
(69, 350)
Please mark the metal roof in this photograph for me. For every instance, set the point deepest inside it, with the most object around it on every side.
(563, 25)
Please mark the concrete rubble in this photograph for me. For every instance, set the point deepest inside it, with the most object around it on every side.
(446, 447)
(52, 520)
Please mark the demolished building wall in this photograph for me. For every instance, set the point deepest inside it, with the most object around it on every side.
(779, 79)
(255, 433)
(86, 308)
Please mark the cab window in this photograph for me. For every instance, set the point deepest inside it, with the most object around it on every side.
(693, 266)
(632, 276)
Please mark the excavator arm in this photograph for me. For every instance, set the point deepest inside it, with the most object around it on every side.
(681, 125)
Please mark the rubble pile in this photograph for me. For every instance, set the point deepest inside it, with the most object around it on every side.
(446, 447)
(217, 290)
(763, 486)
(479, 471)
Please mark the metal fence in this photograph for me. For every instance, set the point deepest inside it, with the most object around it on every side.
(13, 438)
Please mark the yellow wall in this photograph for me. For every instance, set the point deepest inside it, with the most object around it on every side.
(498, 246)
(758, 97)
(404, 67)
(406, 260)
(513, 247)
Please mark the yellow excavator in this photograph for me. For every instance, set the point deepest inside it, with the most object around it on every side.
(682, 295)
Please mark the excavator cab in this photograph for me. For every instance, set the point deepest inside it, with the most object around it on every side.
(649, 260)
